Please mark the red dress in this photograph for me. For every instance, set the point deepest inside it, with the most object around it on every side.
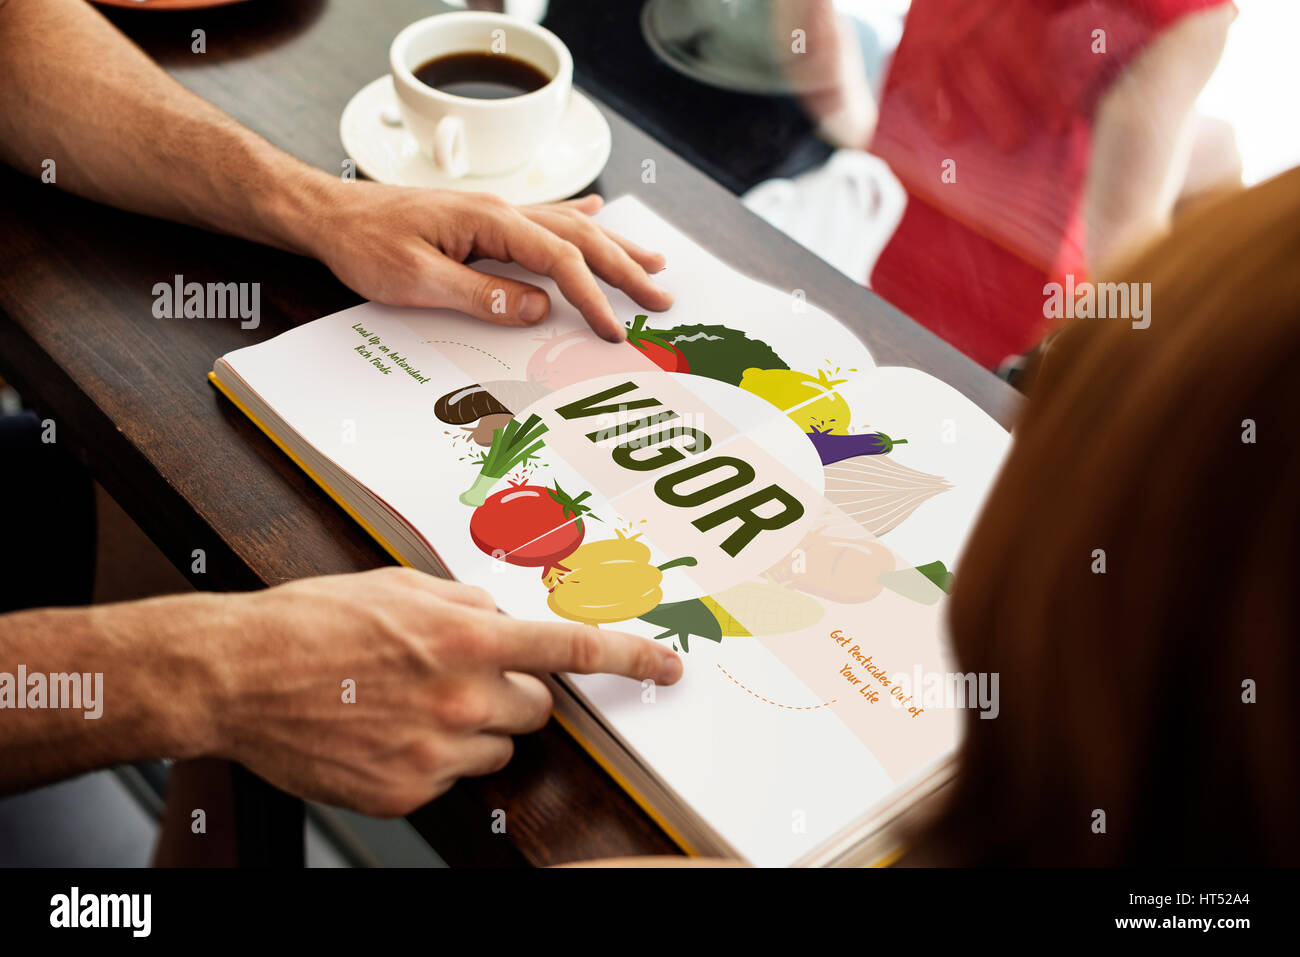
(986, 118)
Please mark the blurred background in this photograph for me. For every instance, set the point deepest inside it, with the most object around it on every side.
(1077, 130)
(952, 154)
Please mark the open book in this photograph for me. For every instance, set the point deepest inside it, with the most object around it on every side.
(738, 480)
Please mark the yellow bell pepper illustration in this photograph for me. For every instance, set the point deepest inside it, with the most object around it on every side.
(607, 581)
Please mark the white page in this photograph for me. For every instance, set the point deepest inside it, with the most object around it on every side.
(764, 737)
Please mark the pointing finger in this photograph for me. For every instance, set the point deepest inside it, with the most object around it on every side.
(547, 647)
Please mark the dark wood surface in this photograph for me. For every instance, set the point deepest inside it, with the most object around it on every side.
(129, 393)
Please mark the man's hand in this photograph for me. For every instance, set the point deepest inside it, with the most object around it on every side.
(125, 133)
(436, 682)
(442, 680)
(405, 247)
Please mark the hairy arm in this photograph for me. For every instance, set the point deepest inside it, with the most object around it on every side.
(149, 702)
(121, 132)
(373, 691)
(74, 90)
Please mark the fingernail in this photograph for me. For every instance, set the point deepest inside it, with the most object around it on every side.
(533, 306)
(670, 670)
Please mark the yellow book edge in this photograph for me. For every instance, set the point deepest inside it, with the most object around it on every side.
(586, 746)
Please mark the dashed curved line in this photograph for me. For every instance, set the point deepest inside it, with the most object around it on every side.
(453, 342)
(775, 704)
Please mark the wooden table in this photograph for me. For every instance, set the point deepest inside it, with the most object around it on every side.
(78, 339)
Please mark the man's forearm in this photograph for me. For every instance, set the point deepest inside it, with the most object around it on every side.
(74, 90)
(91, 687)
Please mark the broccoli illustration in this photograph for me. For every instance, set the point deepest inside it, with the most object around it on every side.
(721, 353)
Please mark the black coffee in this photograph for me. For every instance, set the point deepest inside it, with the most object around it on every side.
(481, 76)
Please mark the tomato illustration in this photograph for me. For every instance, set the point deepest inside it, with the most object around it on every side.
(576, 356)
(655, 347)
(607, 581)
(529, 525)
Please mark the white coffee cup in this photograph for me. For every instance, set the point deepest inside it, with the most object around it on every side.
(472, 137)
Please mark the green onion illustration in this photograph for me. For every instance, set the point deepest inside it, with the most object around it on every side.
(514, 444)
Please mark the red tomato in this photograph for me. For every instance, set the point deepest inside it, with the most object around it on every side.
(655, 347)
(667, 356)
(529, 525)
(571, 357)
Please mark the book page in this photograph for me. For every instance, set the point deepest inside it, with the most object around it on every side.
(739, 480)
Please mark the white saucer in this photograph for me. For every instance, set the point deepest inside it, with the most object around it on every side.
(373, 135)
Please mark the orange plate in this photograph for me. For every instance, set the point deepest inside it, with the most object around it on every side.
(165, 4)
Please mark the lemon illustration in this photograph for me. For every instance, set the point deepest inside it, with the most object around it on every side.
(811, 402)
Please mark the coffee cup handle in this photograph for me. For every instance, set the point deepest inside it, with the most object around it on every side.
(449, 147)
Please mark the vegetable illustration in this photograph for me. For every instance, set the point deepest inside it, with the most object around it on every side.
(658, 349)
(937, 573)
(840, 568)
(517, 394)
(811, 403)
(486, 429)
(467, 405)
(763, 608)
(712, 351)
(683, 620)
(529, 525)
(575, 356)
(721, 353)
(877, 492)
(750, 608)
(487, 405)
(606, 581)
(925, 583)
(833, 447)
(513, 444)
